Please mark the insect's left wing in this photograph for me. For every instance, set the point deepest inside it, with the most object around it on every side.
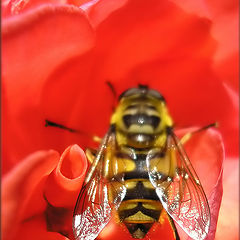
(101, 194)
(179, 189)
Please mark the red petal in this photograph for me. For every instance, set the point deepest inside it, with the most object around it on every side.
(81, 2)
(222, 7)
(30, 52)
(99, 10)
(206, 153)
(228, 70)
(224, 15)
(36, 229)
(215, 200)
(225, 31)
(198, 7)
(229, 216)
(230, 124)
(15, 7)
(19, 185)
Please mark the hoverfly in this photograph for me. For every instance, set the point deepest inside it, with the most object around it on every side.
(139, 171)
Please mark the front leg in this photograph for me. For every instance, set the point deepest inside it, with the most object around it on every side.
(188, 135)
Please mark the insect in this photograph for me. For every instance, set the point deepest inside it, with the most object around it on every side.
(139, 171)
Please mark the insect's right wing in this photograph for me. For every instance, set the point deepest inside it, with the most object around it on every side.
(102, 192)
(179, 189)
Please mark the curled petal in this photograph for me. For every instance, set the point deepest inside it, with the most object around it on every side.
(64, 183)
(62, 188)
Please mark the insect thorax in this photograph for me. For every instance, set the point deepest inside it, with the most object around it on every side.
(141, 121)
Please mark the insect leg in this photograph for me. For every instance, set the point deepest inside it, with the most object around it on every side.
(48, 123)
(165, 216)
(174, 228)
(110, 85)
(53, 124)
(97, 139)
(91, 154)
(188, 136)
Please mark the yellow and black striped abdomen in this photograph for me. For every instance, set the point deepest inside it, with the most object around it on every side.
(141, 207)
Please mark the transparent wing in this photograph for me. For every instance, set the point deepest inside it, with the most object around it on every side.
(179, 189)
(102, 192)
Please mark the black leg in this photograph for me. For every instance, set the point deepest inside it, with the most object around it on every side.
(53, 124)
(110, 85)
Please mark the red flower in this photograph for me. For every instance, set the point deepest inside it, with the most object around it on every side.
(57, 58)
